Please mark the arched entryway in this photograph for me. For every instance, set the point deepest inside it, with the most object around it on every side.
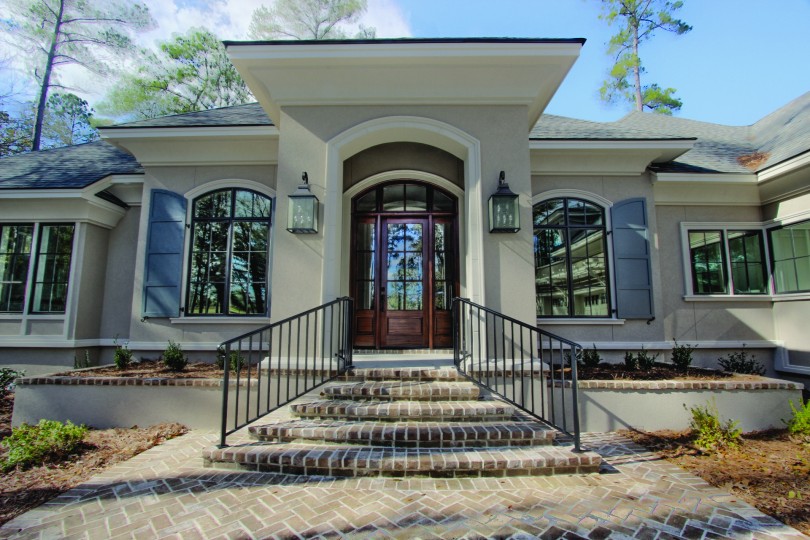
(404, 265)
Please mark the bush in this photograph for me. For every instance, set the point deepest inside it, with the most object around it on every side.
(800, 423)
(645, 360)
(630, 361)
(7, 376)
(591, 358)
(236, 359)
(174, 358)
(122, 355)
(741, 362)
(84, 363)
(47, 441)
(682, 356)
(712, 434)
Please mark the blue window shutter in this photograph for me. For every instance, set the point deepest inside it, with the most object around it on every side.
(631, 253)
(164, 254)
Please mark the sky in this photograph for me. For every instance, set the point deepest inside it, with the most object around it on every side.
(742, 60)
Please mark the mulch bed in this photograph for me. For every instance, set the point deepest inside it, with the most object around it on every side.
(22, 490)
(764, 471)
(659, 372)
(154, 368)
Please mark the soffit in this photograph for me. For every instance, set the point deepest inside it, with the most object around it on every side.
(496, 72)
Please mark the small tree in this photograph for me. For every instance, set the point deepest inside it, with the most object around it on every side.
(174, 358)
(682, 356)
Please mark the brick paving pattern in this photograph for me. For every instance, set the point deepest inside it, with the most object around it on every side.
(166, 493)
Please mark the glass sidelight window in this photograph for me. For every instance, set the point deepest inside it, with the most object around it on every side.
(790, 255)
(230, 247)
(727, 262)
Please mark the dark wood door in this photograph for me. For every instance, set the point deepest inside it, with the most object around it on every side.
(404, 267)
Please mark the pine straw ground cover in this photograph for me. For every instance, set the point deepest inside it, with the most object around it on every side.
(770, 470)
(22, 490)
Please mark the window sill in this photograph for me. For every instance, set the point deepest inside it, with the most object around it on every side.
(32, 316)
(792, 297)
(220, 320)
(729, 298)
(595, 322)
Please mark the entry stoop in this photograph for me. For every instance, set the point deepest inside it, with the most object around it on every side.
(404, 421)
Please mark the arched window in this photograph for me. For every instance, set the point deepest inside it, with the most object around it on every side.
(570, 259)
(230, 247)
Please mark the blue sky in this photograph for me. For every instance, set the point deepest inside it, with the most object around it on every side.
(742, 60)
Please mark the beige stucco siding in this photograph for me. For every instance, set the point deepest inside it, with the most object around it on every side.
(118, 284)
(89, 283)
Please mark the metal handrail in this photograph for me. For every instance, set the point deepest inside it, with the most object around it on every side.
(530, 368)
(300, 365)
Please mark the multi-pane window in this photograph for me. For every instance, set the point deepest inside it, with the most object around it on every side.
(727, 260)
(790, 256)
(570, 259)
(230, 247)
(51, 262)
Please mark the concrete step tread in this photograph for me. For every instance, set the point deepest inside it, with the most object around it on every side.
(408, 434)
(411, 410)
(416, 390)
(449, 373)
(346, 460)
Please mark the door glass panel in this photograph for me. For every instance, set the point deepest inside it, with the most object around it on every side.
(368, 202)
(365, 236)
(441, 202)
(395, 292)
(404, 266)
(413, 296)
(413, 237)
(365, 295)
(415, 198)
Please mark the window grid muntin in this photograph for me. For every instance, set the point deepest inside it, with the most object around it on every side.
(231, 220)
(549, 211)
(360, 201)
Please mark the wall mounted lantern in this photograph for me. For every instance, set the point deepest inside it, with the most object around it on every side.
(302, 217)
(504, 209)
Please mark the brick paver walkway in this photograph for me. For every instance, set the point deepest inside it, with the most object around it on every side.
(166, 493)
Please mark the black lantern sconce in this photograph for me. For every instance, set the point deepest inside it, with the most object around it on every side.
(302, 217)
(504, 209)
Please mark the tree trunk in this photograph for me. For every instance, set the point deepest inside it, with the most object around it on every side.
(637, 69)
(46, 79)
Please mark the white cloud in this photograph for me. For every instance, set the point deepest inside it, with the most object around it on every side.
(387, 17)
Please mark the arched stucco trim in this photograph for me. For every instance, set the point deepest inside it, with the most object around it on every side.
(402, 129)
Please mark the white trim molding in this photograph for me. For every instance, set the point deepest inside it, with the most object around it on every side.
(580, 321)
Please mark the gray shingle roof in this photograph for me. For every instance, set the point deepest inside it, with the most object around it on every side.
(70, 167)
(551, 127)
(250, 114)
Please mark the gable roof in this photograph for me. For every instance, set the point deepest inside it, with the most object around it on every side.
(69, 167)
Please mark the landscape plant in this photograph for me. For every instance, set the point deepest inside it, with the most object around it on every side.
(173, 357)
(630, 361)
(236, 360)
(591, 358)
(7, 377)
(741, 362)
(682, 356)
(710, 432)
(122, 357)
(49, 440)
(799, 424)
(644, 360)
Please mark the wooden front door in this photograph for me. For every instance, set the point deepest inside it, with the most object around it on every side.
(404, 267)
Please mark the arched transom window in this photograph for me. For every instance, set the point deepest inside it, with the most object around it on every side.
(570, 259)
(230, 247)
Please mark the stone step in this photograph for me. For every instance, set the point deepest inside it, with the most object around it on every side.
(468, 411)
(408, 434)
(343, 460)
(449, 373)
(408, 390)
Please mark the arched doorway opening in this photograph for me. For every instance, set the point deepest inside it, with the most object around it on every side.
(404, 265)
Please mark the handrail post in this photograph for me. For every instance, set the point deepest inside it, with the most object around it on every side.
(225, 384)
(575, 392)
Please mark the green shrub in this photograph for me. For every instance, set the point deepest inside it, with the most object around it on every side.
(630, 361)
(645, 360)
(122, 355)
(682, 356)
(236, 359)
(711, 433)
(83, 363)
(7, 376)
(741, 362)
(799, 424)
(591, 358)
(173, 357)
(47, 441)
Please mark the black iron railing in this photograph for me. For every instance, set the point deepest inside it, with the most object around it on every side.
(283, 361)
(528, 367)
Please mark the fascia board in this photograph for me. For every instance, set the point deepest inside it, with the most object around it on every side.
(698, 178)
(785, 167)
(683, 145)
(189, 132)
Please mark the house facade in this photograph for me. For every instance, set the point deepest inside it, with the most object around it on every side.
(638, 233)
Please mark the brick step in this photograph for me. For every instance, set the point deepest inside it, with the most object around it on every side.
(468, 411)
(341, 460)
(407, 390)
(408, 434)
(404, 374)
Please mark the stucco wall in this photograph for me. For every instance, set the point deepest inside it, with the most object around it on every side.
(89, 291)
(402, 156)
(118, 283)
